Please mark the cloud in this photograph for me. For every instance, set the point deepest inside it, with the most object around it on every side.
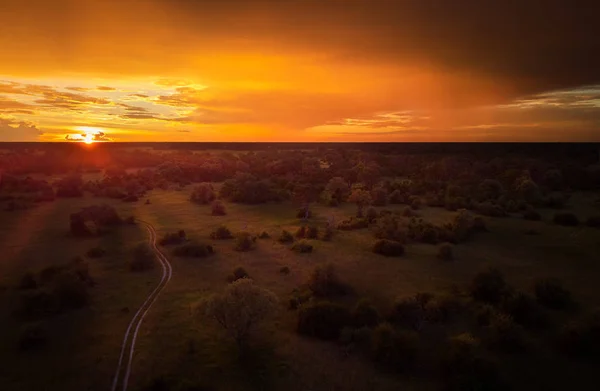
(173, 82)
(96, 137)
(80, 89)
(105, 88)
(13, 106)
(139, 95)
(12, 130)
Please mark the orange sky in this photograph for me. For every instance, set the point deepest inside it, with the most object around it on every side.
(185, 70)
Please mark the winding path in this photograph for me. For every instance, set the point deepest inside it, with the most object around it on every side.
(129, 339)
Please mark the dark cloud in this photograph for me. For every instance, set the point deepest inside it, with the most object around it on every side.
(138, 116)
(80, 89)
(105, 88)
(139, 95)
(12, 130)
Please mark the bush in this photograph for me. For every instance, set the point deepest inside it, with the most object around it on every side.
(312, 232)
(221, 233)
(301, 232)
(463, 369)
(33, 337)
(218, 208)
(324, 282)
(489, 287)
(581, 338)
(410, 311)
(238, 273)
(143, 258)
(323, 320)
(491, 210)
(593, 221)
(203, 193)
(365, 315)
(36, 304)
(71, 291)
(506, 335)
(359, 338)
(445, 252)
(327, 234)
(389, 248)
(284, 270)
(550, 293)
(566, 219)
(415, 203)
(285, 237)
(532, 215)
(524, 310)
(443, 308)
(96, 252)
(371, 215)
(264, 235)
(172, 238)
(28, 281)
(394, 350)
(352, 224)
(245, 242)
(303, 213)
(194, 250)
(302, 246)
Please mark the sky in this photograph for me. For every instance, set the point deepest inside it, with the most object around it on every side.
(299, 70)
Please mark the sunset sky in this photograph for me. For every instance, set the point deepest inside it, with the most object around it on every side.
(299, 70)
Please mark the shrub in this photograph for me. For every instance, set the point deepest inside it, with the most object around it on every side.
(245, 242)
(304, 213)
(264, 235)
(172, 238)
(194, 250)
(221, 233)
(359, 338)
(409, 312)
(352, 224)
(203, 193)
(463, 369)
(593, 221)
(285, 237)
(581, 338)
(129, 220)
(566, 219)
(71, 291)
(284, 270)
(489, 286)
(524, 310)
(32, 337)
(324, 282)
(415, 203)
(389, 248)
(379, 196)
(96, 252)
(484, 314)
(143, 258)
(371, 215)
(394, 350)
(323, 320)
(506, 335)
(218, 208)
(28, 281)
(445, 252)
(443, 308)
(312, 232)
(36, 304)
(302, 246)
(365, 315)
(301, 232)
(532, 215)
(238, 273)
(551, 293)
(327, 234)
(489, 209)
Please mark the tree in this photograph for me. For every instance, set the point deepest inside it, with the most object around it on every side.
(204, 193)
(361, 198)
(338, 189)
(240, 308)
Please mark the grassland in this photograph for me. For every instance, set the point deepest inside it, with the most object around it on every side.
(175, 343)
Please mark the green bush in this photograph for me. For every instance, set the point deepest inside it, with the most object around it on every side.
(505, 335)
(143, 258)
(365, 315)
(323, 320)
(245, 242)
(193, 250)
(218, 208)
(285, 237)
(532, 215)
(489, 286)
(221, 233)
(551, 293)
(96, 252)
(324, 282)
(389, 248)
(394, 350)
(32, 337)
(302, 246)
(445, 252)
(203, 193)
(566, 218)
(28, 281)
(238, 273)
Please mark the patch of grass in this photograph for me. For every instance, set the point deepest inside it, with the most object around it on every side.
(194, 250)
(143, 258)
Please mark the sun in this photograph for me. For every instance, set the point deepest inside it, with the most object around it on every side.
(88, 138)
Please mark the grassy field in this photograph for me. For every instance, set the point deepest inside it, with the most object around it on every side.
(174, 342)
